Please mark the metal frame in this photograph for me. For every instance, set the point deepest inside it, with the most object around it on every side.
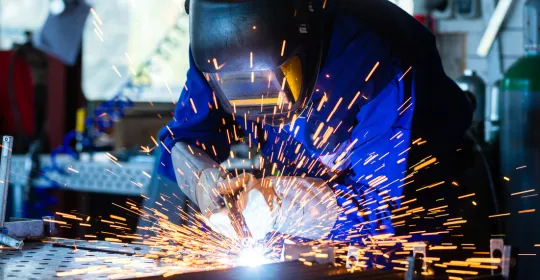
(505, 251)
(126, 178)
(7, 146)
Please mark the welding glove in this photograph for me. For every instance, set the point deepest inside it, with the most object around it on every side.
(202, 180)
(296, 206)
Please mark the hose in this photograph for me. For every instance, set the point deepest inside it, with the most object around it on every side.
(492, 187)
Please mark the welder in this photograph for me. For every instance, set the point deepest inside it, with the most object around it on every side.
(335, 95)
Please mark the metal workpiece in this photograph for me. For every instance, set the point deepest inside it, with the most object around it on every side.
(29, 228)
(18, 229)
(293, 270)
(293, 252)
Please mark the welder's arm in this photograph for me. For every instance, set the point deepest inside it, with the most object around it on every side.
(378, 161)
(307, 207)
(202, 179)
(301, 207)
(197, 174)
(198, 121)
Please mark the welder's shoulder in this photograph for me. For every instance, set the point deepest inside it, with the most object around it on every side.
(390, 23)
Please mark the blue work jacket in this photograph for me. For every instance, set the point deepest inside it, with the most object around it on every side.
(381, 88)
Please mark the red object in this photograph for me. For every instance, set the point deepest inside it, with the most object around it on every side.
(425, 20)
(24, 95)
(56, 101)
(63, 95)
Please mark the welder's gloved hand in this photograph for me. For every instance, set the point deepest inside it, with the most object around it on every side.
(214, 183)
(302, 207)
(202, 180)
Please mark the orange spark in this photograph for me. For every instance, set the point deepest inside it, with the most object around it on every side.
(335, 109)
(518, 193)
(405, 74)
(418, 167)
(467, 195)
(193, 105)
(499, 215)
(527, 211)
(372, 71)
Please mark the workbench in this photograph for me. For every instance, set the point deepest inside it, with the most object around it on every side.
(90, 260)
(58, 258)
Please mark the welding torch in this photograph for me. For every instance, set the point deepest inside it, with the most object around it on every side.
(230, 201)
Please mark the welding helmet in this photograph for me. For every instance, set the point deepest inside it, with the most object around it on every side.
(261, 57)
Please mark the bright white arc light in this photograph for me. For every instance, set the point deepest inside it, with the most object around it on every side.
(252, 256)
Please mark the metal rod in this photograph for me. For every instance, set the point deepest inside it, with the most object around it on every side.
(5, 162)
(10, 241)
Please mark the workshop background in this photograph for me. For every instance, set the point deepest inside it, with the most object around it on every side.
(85, 86)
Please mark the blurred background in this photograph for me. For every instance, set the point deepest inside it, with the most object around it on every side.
(85, 87)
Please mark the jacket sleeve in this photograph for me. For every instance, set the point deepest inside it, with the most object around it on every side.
(198, 120)
(377, 160)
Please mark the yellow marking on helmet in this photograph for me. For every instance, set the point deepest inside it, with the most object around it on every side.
(255, 101)
(292, 69)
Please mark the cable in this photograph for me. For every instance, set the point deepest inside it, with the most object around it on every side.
(485, 163)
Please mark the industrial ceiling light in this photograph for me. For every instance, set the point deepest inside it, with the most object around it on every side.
(493, 27)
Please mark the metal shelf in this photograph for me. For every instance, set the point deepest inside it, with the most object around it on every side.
(125, 178)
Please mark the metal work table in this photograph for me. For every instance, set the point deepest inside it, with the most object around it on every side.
(48, 261)
(118, 261)
(77, 259)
